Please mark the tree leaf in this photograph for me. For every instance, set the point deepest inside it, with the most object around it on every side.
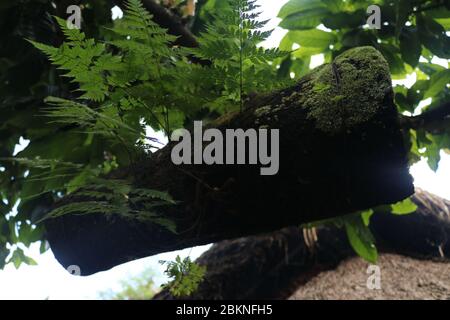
(345, 19)
(401, 99)
(433, 36)
(359, 37)
(445, 23)
(404, 7)
(43, 247)
(406, 206)
(430, 68)
(4, 253)
(286, 43)
(410, 46)
(361, 238)
(295, 6)
(18, 257)
(306, 52)
(438, 82)
(307, 19)
(312, 38)
(366, 215)
(433, 155)
(396, 64)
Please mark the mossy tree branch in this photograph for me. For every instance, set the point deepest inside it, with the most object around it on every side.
(341, 150)
(274, 265)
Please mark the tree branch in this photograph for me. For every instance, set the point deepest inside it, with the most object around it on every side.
(434, 120)
(331, 163)
(274, 265)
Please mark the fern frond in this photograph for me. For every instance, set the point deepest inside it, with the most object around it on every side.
(114, 197)
(138, 26)
(84, 60)
(137, 195)
(69, 112)
(232, 43)
(72, 33)
(39, 163)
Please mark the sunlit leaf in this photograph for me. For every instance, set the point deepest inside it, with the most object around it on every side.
(406, 206)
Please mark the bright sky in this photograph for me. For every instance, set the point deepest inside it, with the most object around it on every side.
(49, 280)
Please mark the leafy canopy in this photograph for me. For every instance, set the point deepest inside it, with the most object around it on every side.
(185, 275)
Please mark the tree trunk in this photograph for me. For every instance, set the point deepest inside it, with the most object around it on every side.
(274, 265)
(341, 150)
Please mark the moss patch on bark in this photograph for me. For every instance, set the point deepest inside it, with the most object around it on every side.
(347, 92)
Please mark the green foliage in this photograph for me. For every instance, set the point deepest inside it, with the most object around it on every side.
(406, 206)
(186, 276)
(139, 287)
(357, 227)
(366, 215)
(358, 232)
(312, 38)
(29, 187)
(438, 83)
(94, 118)
(360, 237)
(304, 19)
(105, 121)
(239, 66)
(84, 60)
(18, 257)
(118, 197)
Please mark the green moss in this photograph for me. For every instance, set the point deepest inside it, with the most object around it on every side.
(262, 111)
(337, 99)
(338, 104)
(320, 87)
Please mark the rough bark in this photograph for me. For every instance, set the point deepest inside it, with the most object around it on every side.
(341, 150)
(274, 265)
